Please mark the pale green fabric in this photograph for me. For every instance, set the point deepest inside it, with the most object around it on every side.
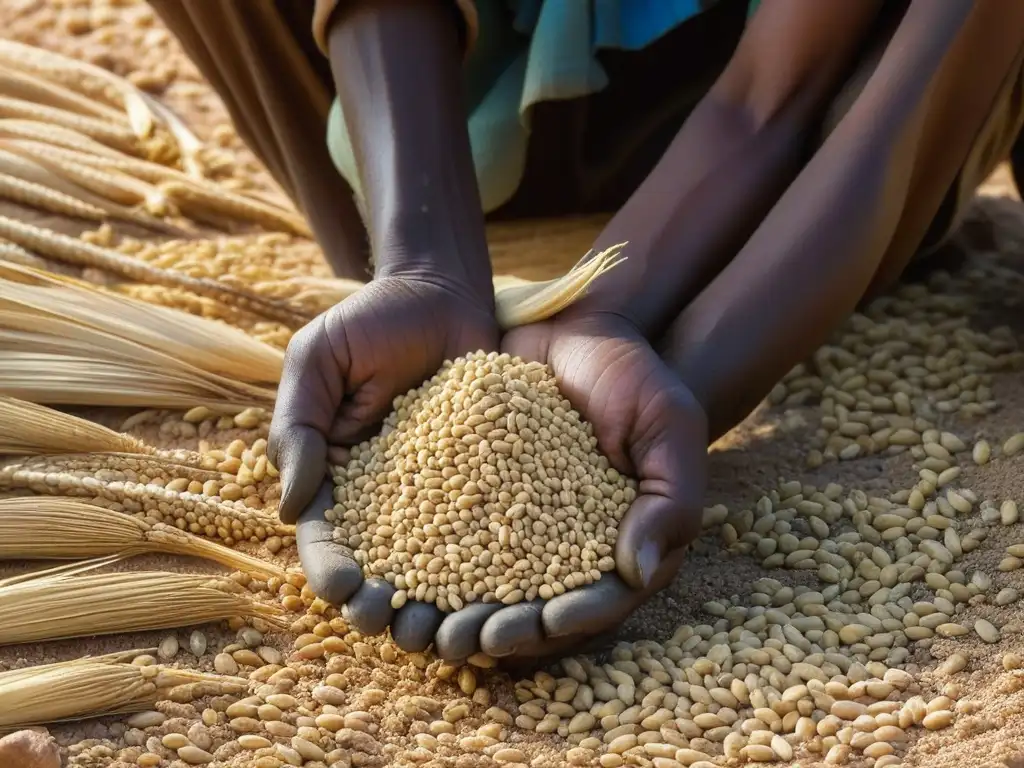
(526, 52)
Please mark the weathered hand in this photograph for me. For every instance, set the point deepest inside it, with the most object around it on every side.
(650, 427)
(341, 375)
(334, 576)
(343, 370)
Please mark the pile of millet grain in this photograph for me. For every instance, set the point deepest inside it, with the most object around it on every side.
(853, 600)
(484, 484)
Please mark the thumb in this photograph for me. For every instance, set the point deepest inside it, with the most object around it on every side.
(652, 540)
(668, 447)
(330, 568)
(311, 388)
(530, 342)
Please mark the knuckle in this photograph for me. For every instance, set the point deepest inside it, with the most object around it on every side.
(304, 342)
(274, 444)
(276, 437)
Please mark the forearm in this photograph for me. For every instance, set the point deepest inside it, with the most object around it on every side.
(812, 259)
(721, 176)
(397, 68)
(732, 159)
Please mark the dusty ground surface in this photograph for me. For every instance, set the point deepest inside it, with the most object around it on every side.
(773, 444)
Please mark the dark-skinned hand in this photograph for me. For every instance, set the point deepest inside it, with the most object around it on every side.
(649, 426)
(342, 372)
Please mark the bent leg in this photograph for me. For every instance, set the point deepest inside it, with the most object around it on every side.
(261, 59)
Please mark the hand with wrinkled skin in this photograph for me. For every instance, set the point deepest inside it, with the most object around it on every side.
(341, 375)
(344, 369)
(650, 428)
(334, 576)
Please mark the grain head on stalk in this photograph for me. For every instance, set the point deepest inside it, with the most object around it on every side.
(80, 253)
(161, 488)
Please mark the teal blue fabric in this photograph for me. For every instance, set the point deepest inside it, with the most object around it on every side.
(526, 52)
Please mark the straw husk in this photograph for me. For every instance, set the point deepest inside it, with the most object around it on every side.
(33, 528)
(27, 429)
(531, 302)
(61, 346)
(95, 687)
(67, 342)
(70, 601)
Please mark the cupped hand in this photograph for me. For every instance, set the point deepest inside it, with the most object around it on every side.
(342, 372)
(334, 575)
(651, 428)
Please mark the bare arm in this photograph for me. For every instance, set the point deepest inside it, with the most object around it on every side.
(814, 256)
(731, 161)
(397, 67)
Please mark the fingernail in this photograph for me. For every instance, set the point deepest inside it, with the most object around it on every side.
(648, 560)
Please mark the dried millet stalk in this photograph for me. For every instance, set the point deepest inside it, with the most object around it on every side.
(37, 196)
(135, 468)
(71, 442)
(22, 85)
(108, 133)
(24, 168)
(95, 686)
(144, 170)
(106, 181)
(73, 601)
(31, 130)
(87, 79)
(71, 250)
(200, 201)
(484, 486)
(29, 429)
(203, 515)
(18, 255)
(50, 528)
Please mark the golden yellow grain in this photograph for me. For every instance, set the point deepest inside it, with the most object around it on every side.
(439, 545)
(79, 253)
(201, 200)
(103, 131)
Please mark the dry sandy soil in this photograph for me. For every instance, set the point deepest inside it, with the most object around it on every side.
(774, 443)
